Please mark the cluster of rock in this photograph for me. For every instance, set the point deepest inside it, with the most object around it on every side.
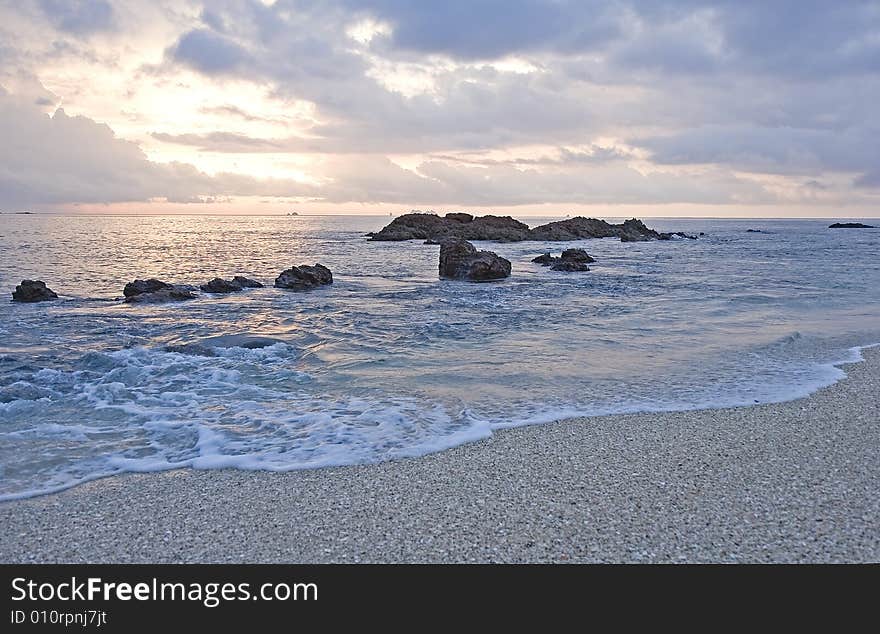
(304, 278)
(571, 260)
(460, 260)
(297, 278)
(435, 229)
(33, 291)
(850, 225)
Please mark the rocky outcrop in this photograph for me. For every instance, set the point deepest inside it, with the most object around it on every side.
(154, 291)
(237, 283)
(33, 291)
(433, 229)
(419, 226)
(304, 278)
(460, 260)
(571, 260)
(850, 225)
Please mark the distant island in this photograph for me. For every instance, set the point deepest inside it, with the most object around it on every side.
(850, 225)
(434, 228)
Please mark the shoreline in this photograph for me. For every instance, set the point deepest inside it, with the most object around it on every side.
(792, 481)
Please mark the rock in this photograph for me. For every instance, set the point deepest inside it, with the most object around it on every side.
(153, 290)
(570, 260)
(460, 260)
(569, 266)
(139, 287)
(304, 278)
(754, 231)
(419, 226)
(33, 291)
(237, 283)
(218, 285)
(850, 225)
(434, 229)
(576, 255)
(246, 282)
(173, 294)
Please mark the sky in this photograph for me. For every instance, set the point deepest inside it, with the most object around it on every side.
(522, 107)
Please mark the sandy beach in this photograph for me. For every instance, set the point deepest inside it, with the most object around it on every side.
(790, 482)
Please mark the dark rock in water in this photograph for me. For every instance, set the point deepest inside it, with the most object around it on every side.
(576, 255)
(245, 340)
(850, 225)
(139, 287)
(218, 285)
(753, 231)
(173, 294)
(237, 283)
(193, 349)
(304, 278)
(570, 260)
(569, 266)
(460, 260)
(33, 291)
(246, 282)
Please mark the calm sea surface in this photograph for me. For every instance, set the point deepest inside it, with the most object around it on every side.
(389, 361)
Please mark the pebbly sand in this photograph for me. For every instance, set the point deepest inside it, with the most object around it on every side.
(790, 482)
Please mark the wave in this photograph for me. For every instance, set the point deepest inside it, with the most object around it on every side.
(146, 410)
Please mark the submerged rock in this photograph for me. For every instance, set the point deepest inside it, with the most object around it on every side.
(304, 278)
(237, 283)
(850, 225)
(154, 291)
(33, 291)
(460, 260)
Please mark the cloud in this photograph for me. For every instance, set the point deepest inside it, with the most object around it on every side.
(79, 17)
(58, 159)
(209, 52)
(655, 100)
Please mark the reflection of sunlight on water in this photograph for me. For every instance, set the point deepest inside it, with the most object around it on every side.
(390, 361)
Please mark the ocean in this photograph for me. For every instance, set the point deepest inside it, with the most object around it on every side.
(390, 361)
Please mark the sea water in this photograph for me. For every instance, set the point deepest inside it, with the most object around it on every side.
(391, 361)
